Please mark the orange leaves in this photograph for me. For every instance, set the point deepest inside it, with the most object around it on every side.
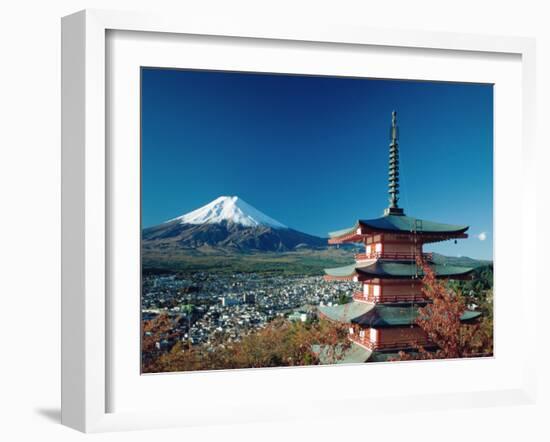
(280, 343)
(441, 320)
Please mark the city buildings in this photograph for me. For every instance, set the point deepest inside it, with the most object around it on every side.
(230, 306)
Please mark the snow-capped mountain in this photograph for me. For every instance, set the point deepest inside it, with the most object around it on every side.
(228, 222)
(231, 209)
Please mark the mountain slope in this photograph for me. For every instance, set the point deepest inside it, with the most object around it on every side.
(227, 235)
(464, 261)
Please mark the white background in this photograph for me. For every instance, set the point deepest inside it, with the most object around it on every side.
(30, 182)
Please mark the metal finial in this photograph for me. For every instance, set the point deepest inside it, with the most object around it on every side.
(393, 170)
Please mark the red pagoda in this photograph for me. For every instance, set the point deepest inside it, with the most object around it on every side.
(383, 313)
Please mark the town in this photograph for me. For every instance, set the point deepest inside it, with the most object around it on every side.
(210, 307)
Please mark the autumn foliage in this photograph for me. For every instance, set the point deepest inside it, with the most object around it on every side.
(441, 320)
(281, 343)
(153, 332)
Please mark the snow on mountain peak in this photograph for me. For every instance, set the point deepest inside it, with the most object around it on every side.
(232, 209)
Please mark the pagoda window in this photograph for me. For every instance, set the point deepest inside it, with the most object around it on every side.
(369, 249)
(366, 288)
(351, 330)
(376, 291)
(378, 247)
(362, 333)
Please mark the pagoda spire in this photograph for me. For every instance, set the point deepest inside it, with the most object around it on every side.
(393, 170)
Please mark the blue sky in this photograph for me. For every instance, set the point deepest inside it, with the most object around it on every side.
(312, 152)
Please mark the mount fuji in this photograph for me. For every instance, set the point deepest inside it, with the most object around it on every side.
(228, 222)
(231, 209)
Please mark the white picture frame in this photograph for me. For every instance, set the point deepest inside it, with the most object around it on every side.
(86, 206)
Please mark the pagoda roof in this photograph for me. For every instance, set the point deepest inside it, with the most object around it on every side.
(401, 223)
(346, 312)
(353, 355)
(395, 269)
(379, 316)
(342, 272)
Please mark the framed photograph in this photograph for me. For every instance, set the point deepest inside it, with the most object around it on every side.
(253, 211)
(227, 286)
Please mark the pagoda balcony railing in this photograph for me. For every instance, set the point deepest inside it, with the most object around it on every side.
(393, 255)
(360, 296)
(398, 344)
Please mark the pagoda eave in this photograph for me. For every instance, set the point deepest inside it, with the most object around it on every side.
(380, 316)
(353, 355)
(431, 238)
(402, 223)
(350, 238)
(345, 313)
(393, 270)
(423, 237)
(340, 278)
